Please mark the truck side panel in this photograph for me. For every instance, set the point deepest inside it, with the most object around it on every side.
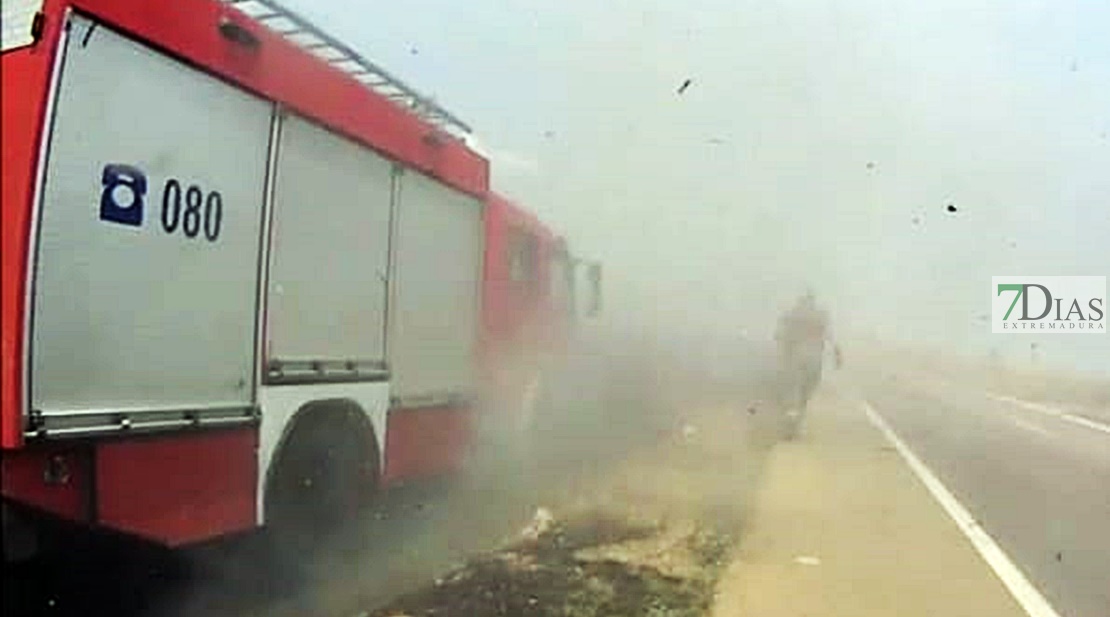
(434, 318)
(146, 271)
(330, 249)
(434, 327)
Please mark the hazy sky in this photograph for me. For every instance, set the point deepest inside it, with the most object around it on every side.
(817, 142)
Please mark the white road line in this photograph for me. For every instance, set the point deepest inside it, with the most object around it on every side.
(1032, 428)
(1020, 588)
(1049, 410)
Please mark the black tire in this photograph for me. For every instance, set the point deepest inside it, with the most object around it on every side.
(323, 478)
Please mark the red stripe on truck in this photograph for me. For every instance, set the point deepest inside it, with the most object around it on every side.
(178, 489)
(24, 80)
(425, 442)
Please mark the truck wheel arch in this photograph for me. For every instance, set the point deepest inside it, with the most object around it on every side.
(330, 418)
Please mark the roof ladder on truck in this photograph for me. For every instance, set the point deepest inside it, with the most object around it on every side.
(309, 37)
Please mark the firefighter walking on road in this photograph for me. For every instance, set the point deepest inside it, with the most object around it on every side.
(802, 335)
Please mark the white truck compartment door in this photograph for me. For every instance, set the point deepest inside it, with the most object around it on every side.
(145, 281)
(330, 249)
(434, 318)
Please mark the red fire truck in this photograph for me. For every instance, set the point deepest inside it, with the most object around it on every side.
(246, 272)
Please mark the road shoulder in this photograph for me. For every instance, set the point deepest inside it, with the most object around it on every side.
(841, 526)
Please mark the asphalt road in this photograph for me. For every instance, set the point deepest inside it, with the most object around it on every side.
(1036, 480)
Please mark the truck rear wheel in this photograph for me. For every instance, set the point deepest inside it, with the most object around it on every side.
(324, 477)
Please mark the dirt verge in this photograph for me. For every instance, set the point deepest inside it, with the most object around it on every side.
(648, 537)
(590, 565)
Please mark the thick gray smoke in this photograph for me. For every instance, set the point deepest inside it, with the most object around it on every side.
(814, 142)
(610, 396)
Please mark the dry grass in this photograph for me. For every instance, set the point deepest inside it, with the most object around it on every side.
(648, 535)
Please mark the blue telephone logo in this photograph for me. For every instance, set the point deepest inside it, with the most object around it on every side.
(118, 182)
